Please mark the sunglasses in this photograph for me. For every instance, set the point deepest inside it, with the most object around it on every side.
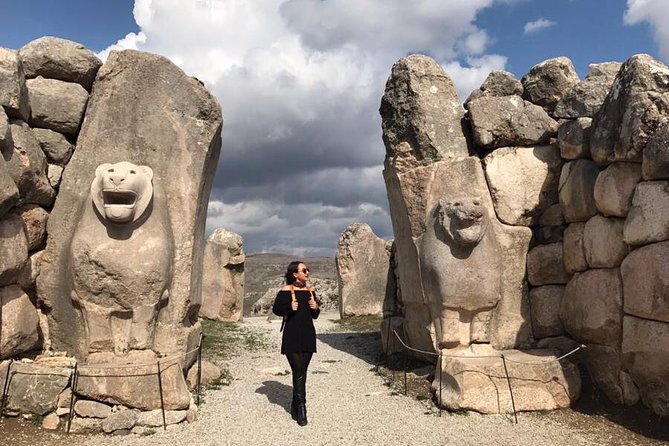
(304, 270)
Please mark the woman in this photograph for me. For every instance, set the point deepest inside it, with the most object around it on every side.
(297, 304)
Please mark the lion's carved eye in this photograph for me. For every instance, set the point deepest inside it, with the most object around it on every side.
(110, 170)
(133, 172)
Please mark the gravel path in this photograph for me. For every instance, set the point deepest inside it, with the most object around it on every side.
(348, 404)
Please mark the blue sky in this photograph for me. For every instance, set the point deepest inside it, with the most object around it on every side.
(300, 83)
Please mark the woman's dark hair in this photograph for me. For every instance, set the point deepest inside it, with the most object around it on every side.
(292, 269)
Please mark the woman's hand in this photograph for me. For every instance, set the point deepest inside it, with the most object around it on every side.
(293, 305)
(312, 304)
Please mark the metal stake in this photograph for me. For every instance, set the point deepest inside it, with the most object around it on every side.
(74, 380)
(406, 368)
(441, 367)
(199, 369)
(162, 402)
(5, 388)
(508, 380)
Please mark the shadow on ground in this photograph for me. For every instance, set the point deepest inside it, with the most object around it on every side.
(277, 393)
(366, 346)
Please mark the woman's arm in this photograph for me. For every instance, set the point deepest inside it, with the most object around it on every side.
(282, 303)
(317, 311)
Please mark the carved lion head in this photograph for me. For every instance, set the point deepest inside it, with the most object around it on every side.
(122, 191)
(464, 219)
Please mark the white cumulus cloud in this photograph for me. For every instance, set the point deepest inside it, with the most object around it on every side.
(300, 83)
(656, 13)
(537, 25)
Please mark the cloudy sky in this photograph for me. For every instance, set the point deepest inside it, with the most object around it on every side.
(300, 82)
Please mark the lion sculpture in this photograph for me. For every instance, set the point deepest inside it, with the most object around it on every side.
(121, 260)
(460, 270)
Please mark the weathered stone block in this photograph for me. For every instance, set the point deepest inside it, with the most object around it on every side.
(34, 218)
(574, 138)
(54, 145)
(586, 97)
(124, 419)
(523, 182)
(55, 173)
(648, 218)
(549, 81)
(13, 248)
(615, 187)
(20, 324)
(603, 242)
(509, 121)
(56, 105)
(27, 166)
(573, 251)
(576, 190)
(56, 58)
(605, 367)
(655, 163)
(646, 355)
(498, 83)
(363, 265)
(34, 388)
(92, 409)
(13, 91)
(475, 383)
(545, 304)
(645, 273)
(631, 112)
(209, 373)
(591, 310)
(223, 277)
(545, 265)
(9, 193)
(421, 107)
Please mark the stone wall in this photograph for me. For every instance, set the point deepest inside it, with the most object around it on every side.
(572, 176)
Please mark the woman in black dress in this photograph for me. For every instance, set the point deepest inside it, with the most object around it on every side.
(297, 304)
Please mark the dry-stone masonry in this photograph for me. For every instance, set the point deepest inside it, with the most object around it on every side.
(566, 199)
(102, 212)
(223, 277)
(363, 268)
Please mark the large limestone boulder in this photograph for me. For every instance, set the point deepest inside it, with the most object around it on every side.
(545, 302)
(56, 105)
(509, 121)
(645, 274)
(633, 109)
(13, 248)
(56, 58)
(586, 97)
(545, 265)
(475, 379)
(34, 219)
(603, 242)
(549, 81)
(605, 366)
(576, 190)
(523, 182)
(655, 164)
(20, 324)
(223, 277)
(421, 108)
(13, 91)
(498, 83)
(131, 281)
(9, 193)
(615, 187)
(573, 250)
(132, 380)
(35, 387)
(54, 145)
(363, 266)
(648, 219)
(591, 310)
(574, 138)
(6, 143)
(27, 166)
(645, 354)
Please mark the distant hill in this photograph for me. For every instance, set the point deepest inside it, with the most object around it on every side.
(262, 271)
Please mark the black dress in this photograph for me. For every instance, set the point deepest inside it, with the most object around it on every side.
(299, 334)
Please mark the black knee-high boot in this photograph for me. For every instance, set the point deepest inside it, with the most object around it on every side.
(299, 362)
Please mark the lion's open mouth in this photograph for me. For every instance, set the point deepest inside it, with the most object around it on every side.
(119, 198)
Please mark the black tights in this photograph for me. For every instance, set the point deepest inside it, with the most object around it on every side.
(299, 363)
